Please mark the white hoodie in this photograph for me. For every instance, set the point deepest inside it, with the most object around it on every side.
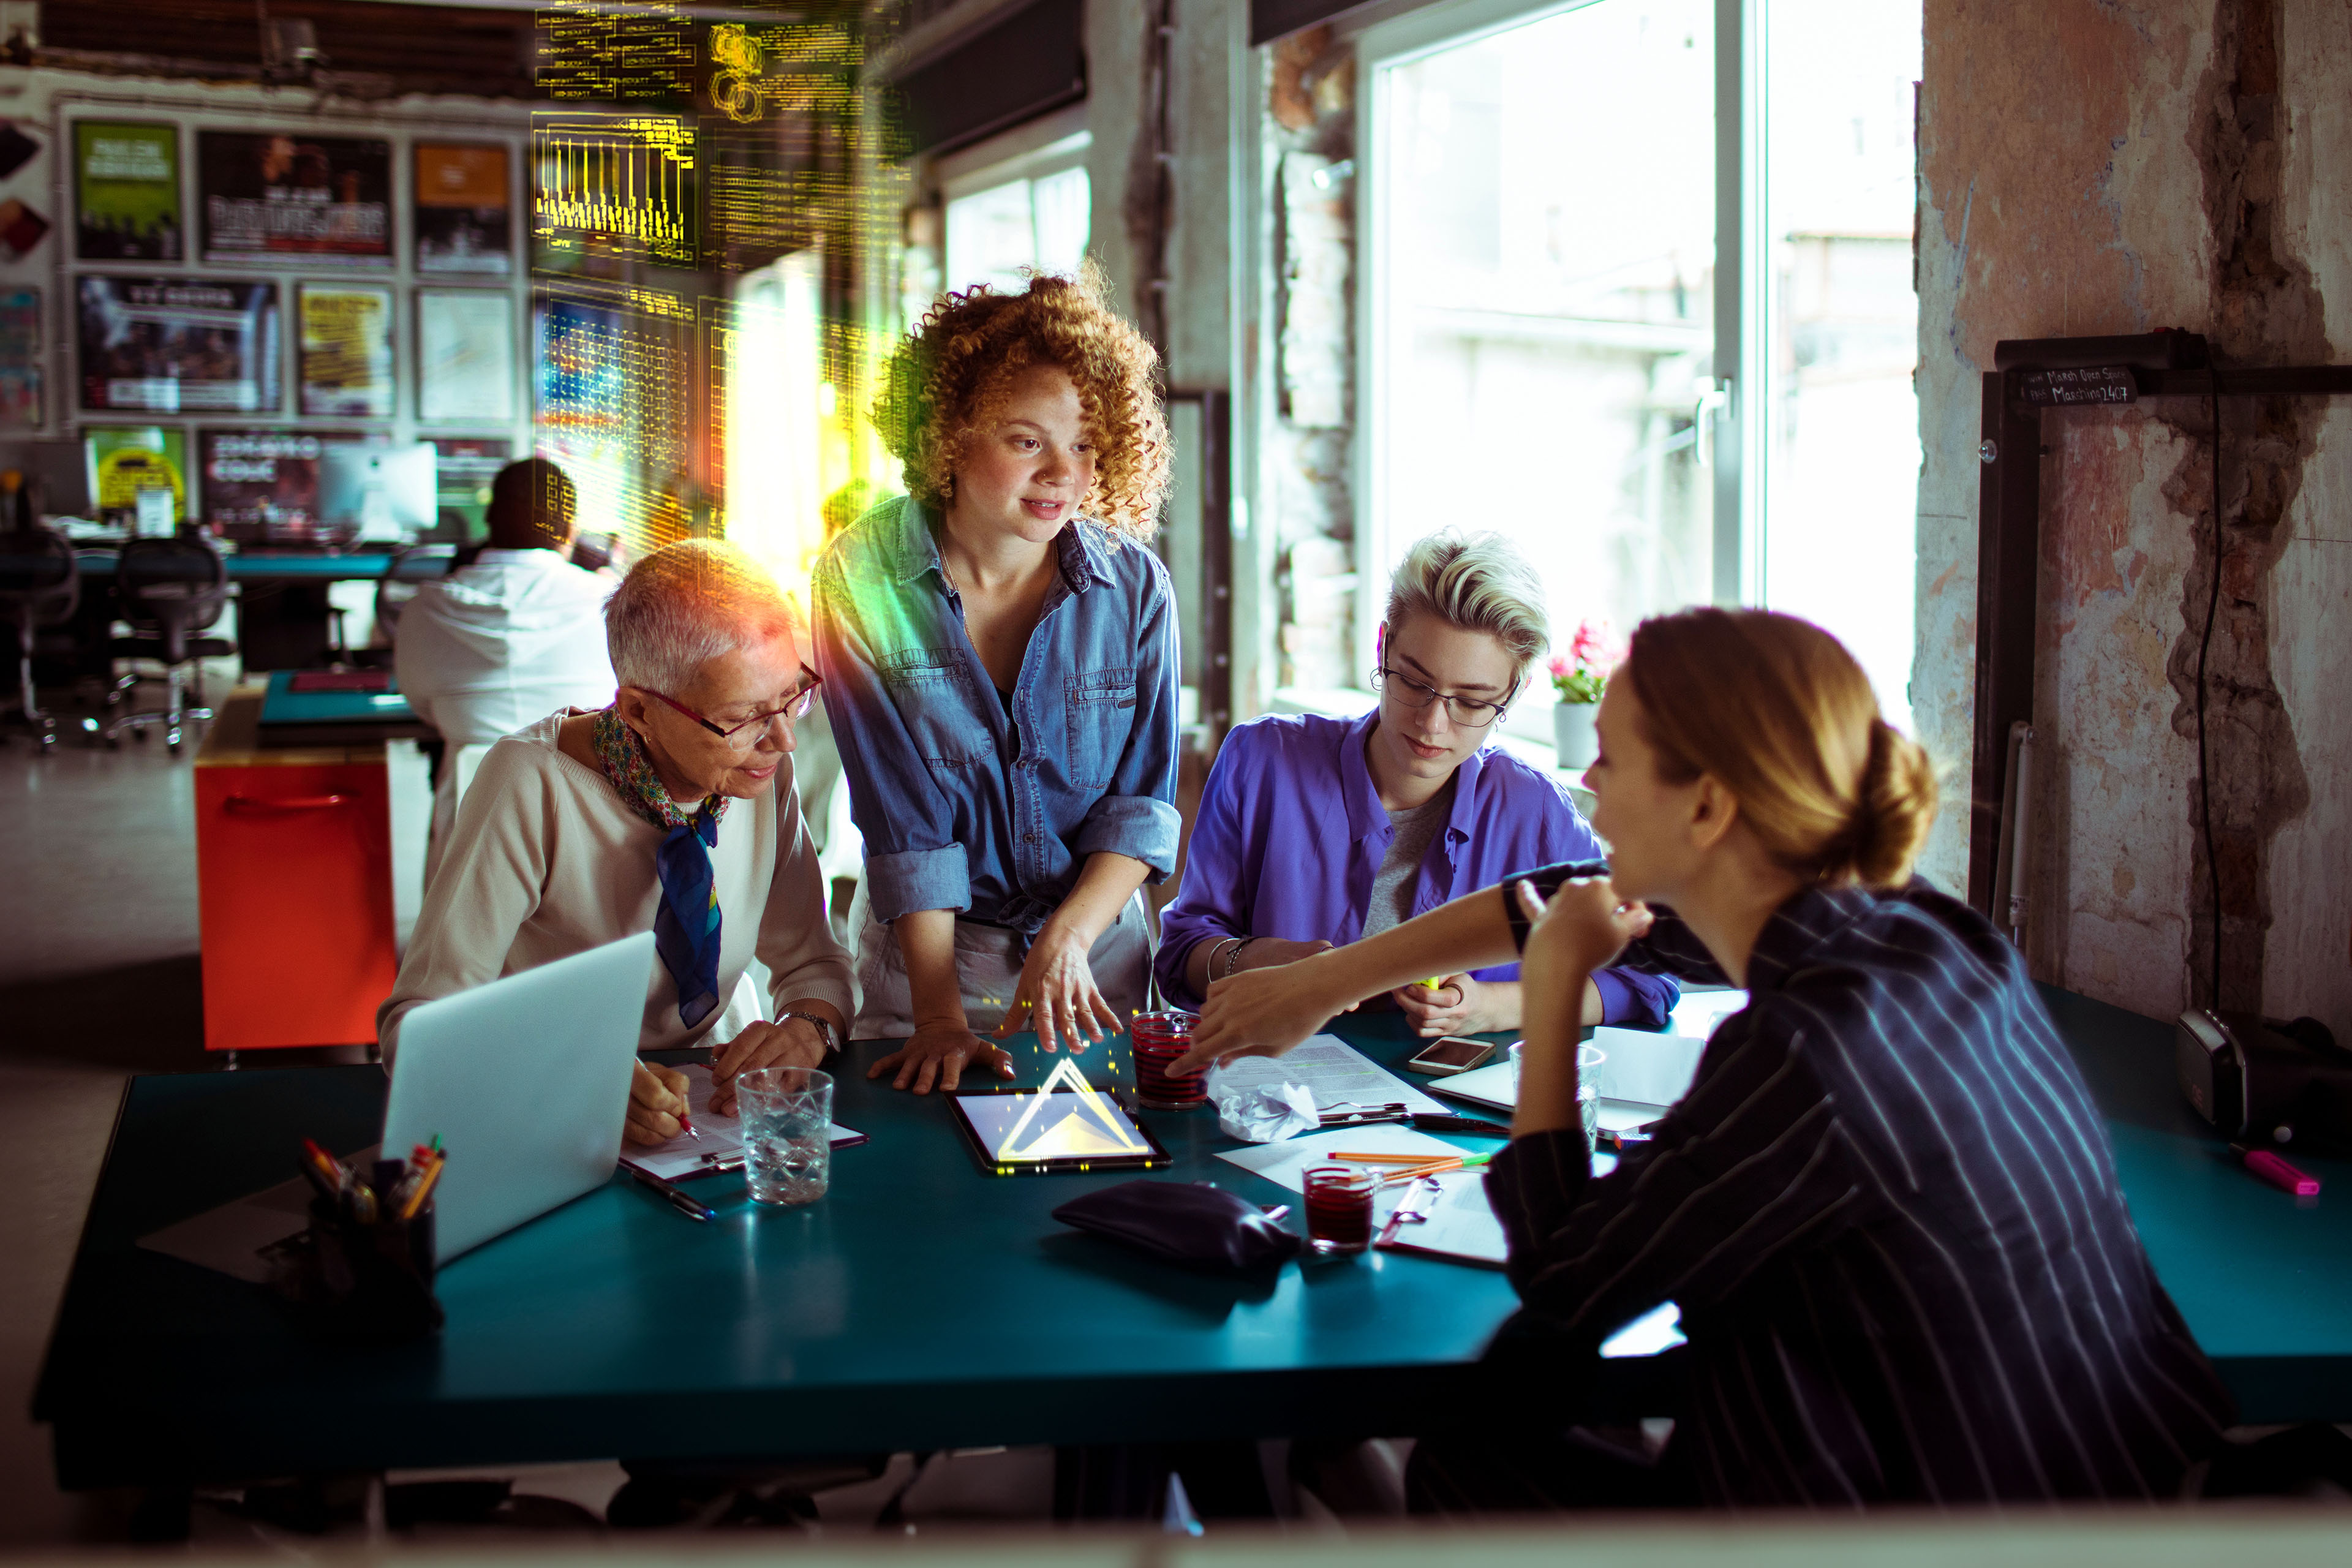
(502, 643)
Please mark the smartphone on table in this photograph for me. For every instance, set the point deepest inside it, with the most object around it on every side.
(1450, 1054)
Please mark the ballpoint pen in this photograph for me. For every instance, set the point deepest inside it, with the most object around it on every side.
(678, 1197)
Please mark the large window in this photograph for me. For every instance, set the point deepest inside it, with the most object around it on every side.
(1544, 348)
(1011, 207)
(1842, 469)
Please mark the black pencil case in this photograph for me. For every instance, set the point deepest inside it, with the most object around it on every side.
(1189, 1223)
(361, 1283)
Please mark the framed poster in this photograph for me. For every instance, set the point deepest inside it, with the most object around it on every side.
(276, 196)
(263, 484)
(125, 460)
(168, 344)
(465, 357)
(126, 192)
(465, 211)
(346, 356)
(20, 359)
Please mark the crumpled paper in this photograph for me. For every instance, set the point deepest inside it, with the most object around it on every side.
(1263, 1112)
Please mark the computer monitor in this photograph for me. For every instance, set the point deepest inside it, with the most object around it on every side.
(59, 470)
(385, 492)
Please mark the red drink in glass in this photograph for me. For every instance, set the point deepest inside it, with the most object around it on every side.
(1159, 1039)
(1339, 1208)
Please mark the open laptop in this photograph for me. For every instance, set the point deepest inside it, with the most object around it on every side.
(526, 1082)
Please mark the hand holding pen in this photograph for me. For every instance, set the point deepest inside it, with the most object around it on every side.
(657, 1105)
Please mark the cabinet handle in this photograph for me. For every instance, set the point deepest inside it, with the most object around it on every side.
(246, 804)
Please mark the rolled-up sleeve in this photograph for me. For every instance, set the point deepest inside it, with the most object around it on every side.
(1137, 815)
(913, 862)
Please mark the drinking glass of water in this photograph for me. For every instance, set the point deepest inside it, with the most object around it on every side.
(787, 1124)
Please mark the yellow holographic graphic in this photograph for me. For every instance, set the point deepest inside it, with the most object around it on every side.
(1069, 1119)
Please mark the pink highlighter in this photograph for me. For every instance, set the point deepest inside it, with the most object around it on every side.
(2267, 1166)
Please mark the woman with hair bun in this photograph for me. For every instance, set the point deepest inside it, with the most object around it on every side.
(1886, 1206)
(999, 652)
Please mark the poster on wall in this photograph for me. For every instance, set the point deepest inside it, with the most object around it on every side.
(126, 460)
(277, 196)
(464, 215)
(167, 345)
(346, 336)
(20, 359)
(126, 192)
(465, 357)
(263, 484)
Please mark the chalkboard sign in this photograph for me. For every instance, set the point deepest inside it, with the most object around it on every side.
(2091, 384)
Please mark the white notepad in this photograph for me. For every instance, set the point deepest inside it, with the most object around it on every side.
(720, 1147)
(1454, 1221)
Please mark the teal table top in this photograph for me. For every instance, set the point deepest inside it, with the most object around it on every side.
(925, 1304)
(263, 566)
(282, 705)
(920, 1304)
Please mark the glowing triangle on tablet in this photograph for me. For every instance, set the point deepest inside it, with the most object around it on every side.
(1088, 1123)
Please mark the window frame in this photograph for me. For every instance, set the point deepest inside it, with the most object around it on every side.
(1050, 144)
(1734, 439)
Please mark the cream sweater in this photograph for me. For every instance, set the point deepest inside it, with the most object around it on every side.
(545, 861)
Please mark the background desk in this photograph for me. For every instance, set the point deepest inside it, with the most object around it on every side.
(284, 625)
(922, 1304)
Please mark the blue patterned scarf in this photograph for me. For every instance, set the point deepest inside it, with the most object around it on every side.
(686, 927)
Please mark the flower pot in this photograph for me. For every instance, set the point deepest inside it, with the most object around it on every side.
(1573, 734)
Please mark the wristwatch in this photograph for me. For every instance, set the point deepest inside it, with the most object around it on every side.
(826, 1031)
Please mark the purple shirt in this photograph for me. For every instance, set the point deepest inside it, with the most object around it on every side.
(1297, 787)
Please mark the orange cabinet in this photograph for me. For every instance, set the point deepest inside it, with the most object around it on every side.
(293, 887)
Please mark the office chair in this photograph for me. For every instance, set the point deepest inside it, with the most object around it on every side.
(40, 585)
(411, 567)
(169, 590)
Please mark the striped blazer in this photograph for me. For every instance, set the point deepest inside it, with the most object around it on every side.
(1888, 1211)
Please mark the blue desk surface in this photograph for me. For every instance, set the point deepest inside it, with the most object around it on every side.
(923, 1304)
(282, 705)
(263, 566)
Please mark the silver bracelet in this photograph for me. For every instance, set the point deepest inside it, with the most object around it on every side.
(1232, 954)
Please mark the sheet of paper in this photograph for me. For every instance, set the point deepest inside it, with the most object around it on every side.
(1340, 1075)
(1456, 1223)
(1647, 1069)
(720, 1145)
(1287, 1162)
(1698, 1012)
(231, 1238)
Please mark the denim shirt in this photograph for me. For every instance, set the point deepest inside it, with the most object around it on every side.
(1291, 834)
(963, 806)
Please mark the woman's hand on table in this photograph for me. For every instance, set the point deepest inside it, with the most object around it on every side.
(1057, 996)
(1458, 1005)
(938, 1053)
(790, 1043)
(656, 1100)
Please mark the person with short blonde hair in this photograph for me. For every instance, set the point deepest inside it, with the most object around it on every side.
(1314, 832)
(670, 810)
(1887, 1207)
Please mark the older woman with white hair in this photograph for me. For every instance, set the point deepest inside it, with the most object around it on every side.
(673, 810)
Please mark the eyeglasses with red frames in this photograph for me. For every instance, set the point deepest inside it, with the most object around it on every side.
(751, 729)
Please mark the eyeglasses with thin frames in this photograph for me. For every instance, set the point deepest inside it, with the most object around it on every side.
(1467, 711)
(751, 729)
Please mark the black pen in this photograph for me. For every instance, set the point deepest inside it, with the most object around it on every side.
(681, 1199)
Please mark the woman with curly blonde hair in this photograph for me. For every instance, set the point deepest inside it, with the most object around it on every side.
(999, 652)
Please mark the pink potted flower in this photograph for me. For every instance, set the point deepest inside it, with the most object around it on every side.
(1579, 676)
